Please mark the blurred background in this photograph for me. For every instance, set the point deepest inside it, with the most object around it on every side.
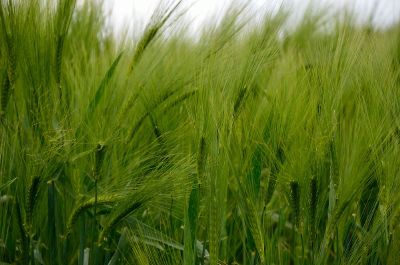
(128, 14)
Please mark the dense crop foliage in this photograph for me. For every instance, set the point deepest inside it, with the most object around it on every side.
(250, 145)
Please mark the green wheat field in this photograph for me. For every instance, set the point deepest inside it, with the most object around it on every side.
(251, 144)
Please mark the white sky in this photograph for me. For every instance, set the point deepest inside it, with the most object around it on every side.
(128, 12)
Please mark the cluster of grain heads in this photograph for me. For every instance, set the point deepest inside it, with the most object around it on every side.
(108, 193)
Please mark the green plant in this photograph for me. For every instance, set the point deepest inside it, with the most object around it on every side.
(250, 144)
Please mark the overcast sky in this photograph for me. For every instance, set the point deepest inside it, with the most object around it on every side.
(127, 12)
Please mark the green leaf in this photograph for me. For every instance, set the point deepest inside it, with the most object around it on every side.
(104, 82)
(255, 171)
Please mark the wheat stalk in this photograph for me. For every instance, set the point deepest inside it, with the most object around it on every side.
(295, 201)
